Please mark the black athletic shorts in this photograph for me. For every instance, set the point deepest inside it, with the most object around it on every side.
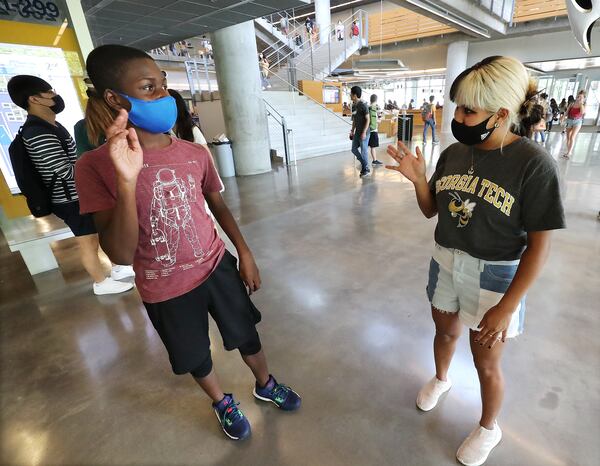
(374, 139)
(80, 225)
(182, 322)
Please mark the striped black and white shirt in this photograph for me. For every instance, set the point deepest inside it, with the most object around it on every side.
(48, 156)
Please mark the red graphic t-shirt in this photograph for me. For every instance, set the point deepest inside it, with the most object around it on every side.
(178, 245)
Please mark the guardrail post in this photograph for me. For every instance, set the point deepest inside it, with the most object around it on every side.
(286, 142)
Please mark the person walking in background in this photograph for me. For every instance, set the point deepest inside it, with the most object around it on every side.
(540, 132)
(284, 24)
(88, 136)
(562, 107)
(339, 30)
(428, 116)
(185, 128)
(575, 115)
(53, 154)
(569, 102)
(354, 31)
(360, 132)
(374, 112)
(551, 115)
(264, 71)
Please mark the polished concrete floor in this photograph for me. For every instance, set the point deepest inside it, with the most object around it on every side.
(85, 380)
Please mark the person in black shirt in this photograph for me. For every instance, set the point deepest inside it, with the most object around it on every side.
(53, 154)
(360, 132)
(497, 199)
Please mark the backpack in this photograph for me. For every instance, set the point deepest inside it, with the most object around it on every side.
(427, 113)
(37, 195)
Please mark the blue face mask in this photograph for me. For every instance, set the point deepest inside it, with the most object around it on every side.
(154, 116)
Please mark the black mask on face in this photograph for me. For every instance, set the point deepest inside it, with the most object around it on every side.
(59, 104)
(471, 135)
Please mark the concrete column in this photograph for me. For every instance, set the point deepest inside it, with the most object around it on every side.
(80, 26)
(236, 63)
(323, 19)
(456, 63)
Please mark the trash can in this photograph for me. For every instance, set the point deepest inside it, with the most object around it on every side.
(224, 157)
(405, 127)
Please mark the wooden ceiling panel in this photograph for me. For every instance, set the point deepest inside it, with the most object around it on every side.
(402, 24)
(530, 10)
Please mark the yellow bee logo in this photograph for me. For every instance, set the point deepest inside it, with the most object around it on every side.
(461, 209)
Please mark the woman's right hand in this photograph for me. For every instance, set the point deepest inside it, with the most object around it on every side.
(412, 166)
(124, 148)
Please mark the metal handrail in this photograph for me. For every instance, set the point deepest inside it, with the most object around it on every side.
(331, 29)
(315, 101)
(286, 132)
(290, 43)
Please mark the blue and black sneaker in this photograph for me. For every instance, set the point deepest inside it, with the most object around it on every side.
(282, 396)
(232, 420)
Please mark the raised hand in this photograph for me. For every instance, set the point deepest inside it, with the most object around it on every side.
(412, 166)
(124, 148)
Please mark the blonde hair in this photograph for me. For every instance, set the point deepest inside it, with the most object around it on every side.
(494, 83)
(98, 117)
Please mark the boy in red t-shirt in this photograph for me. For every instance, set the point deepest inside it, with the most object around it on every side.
(146, 191)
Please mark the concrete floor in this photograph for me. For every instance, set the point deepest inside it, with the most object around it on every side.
(85, 380)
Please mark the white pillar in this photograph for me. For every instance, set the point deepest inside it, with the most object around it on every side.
(456, 63)
(236, 63)
(81, 27)
(323, 19)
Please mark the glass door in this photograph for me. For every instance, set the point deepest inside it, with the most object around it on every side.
(592, 104)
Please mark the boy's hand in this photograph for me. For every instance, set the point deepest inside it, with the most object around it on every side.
(249, 272)
(124, 148)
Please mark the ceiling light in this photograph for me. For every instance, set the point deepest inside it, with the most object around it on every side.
(451, 17)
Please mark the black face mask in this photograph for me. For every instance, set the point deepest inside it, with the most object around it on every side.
(59, 104)
(471, 135)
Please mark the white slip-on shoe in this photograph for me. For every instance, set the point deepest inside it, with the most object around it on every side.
(121, 272)
(476, 448)
(110, 286)
(429, 395)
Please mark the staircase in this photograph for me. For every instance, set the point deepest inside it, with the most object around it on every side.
(316, 131)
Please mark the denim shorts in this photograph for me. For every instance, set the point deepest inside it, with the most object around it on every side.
(572, 123)
(460, 283)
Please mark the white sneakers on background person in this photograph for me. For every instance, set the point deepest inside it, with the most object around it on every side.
(110, 286)
(476, 448)
(121, 272)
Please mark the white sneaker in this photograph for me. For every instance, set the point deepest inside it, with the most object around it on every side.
(478, 445)
(429, 395)
(120, 272)
(110, 286)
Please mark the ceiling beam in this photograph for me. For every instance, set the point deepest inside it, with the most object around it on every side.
(467, 13)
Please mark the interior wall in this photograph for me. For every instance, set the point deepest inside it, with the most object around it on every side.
(211, 118)
(537, 47)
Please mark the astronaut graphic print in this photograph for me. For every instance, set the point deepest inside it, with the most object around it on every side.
(171, 214)
(178, 244)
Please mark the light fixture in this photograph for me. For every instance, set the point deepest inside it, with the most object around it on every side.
(449, 16)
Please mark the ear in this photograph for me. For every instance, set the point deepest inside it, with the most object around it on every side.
(502, 116)
(115, 101)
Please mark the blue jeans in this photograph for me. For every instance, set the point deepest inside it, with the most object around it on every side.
(431, 123)
(363, 154)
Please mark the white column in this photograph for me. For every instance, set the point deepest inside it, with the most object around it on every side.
(236, 63)
(81, 27)
(456, 63)
(323, 19)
